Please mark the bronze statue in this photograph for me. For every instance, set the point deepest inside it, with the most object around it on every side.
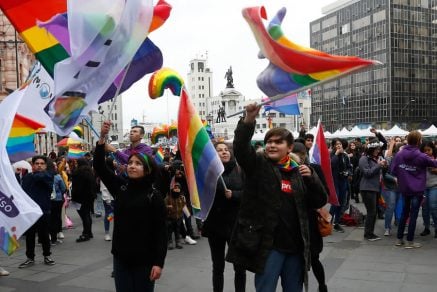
(230, 80)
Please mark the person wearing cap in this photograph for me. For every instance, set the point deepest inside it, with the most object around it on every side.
(409, 166)
(271, 236)
(139, 210)
(371, 166)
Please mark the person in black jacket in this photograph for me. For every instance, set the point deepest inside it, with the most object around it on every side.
(140, 210)
(271, 237)
(222, 217)
(83, 192)
(39, 186)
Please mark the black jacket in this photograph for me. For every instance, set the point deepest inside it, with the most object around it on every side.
(140, 233)
(223, 214)
(253, 236)
(83, 185)
(39, 186)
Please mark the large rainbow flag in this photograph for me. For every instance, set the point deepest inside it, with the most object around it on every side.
(202, 165)
(43, 25)
(292, 67)
(20, 142)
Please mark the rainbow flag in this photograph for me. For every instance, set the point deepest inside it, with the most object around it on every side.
(75, 153)
(20, 142)
(202, 165)
(319, 154)
(287, 105)
(159, 156)
(293, 67)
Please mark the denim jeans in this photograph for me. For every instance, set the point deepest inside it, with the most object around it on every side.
(411, 208)
(390, 197)
(288, 266)
(429, 208)
(341, 188)
(109, 209)
(132, 278)
(369, 199)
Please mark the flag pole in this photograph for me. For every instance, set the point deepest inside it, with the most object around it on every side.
(223, 182)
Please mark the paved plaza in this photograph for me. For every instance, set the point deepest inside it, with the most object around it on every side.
(351, 264)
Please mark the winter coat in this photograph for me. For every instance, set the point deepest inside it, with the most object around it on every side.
(371, 172)
(39, 187)
(253, 236)
(140, 232)
(409, 166)
(223, 214)
(83, 185)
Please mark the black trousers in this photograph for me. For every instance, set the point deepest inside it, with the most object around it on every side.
(85, 215)
(174, 226)
(42, 227)
(55, 219)
(217, 246)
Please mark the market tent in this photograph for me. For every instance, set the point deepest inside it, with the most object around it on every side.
(395, 131)
(431, 131)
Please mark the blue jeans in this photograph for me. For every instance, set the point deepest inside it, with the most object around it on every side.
(341, 188)
(411, 207)
(99, 204)
(132, 278)
(109, 209)
(429, 207)
(289, 266)
(390, 197)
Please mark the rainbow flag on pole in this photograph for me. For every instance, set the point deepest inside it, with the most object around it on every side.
(159, 156)
(75, 152)
(20, 142)
(202, 165)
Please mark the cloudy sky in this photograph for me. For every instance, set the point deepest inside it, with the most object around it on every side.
(216, 27)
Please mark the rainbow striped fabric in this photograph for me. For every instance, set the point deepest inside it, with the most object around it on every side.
(75, 152)
(20, 142)
(202, 165)
(293, 67)
(8, 243)
(34, 18)
(287, 105)
(159, 156)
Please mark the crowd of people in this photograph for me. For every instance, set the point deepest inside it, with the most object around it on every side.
(265, 208)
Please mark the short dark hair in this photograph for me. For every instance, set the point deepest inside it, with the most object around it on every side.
(309, 136)
(281, 132)
(36, 157)
(139, 127)
(414, 138)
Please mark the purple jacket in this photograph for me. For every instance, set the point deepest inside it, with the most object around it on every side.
(409, 166)
(123, 156)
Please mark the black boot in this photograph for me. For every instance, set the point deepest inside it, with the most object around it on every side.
(323, 288)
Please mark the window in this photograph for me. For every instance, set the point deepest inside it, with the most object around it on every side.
(200, 66)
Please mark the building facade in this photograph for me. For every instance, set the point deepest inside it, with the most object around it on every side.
(15, 58)
(116, 117)
(200, 85)
(402, 34)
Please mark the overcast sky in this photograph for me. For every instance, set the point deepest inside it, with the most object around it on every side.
(217, 27)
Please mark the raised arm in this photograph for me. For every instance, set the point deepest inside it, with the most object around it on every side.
(243, 150)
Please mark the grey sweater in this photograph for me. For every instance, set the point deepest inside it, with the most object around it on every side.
(431, 179)
(371, 171)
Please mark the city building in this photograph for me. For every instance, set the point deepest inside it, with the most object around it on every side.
(402, 34)
(15, 58)
(116, 117)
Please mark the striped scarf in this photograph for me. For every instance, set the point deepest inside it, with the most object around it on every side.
(286, 164)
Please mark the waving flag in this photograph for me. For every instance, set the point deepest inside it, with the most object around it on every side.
(75, 152)
(292, 67)
(319, 154)
(288, 105)
(17, 211)
(159, 156)
(202, 164)
(20, 142)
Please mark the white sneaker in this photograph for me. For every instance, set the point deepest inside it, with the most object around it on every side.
(189, 240)
(3, 272)
(387, 232)
(107, 237)
(61, 235)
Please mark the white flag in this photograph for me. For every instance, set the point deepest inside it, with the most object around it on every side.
(18, 211)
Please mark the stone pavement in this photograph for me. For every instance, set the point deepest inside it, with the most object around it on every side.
(351, 264)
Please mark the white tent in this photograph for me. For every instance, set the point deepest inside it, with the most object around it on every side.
(344, 133)
(395, 131)
(328, 135)
(431, 131)
(335, 134)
